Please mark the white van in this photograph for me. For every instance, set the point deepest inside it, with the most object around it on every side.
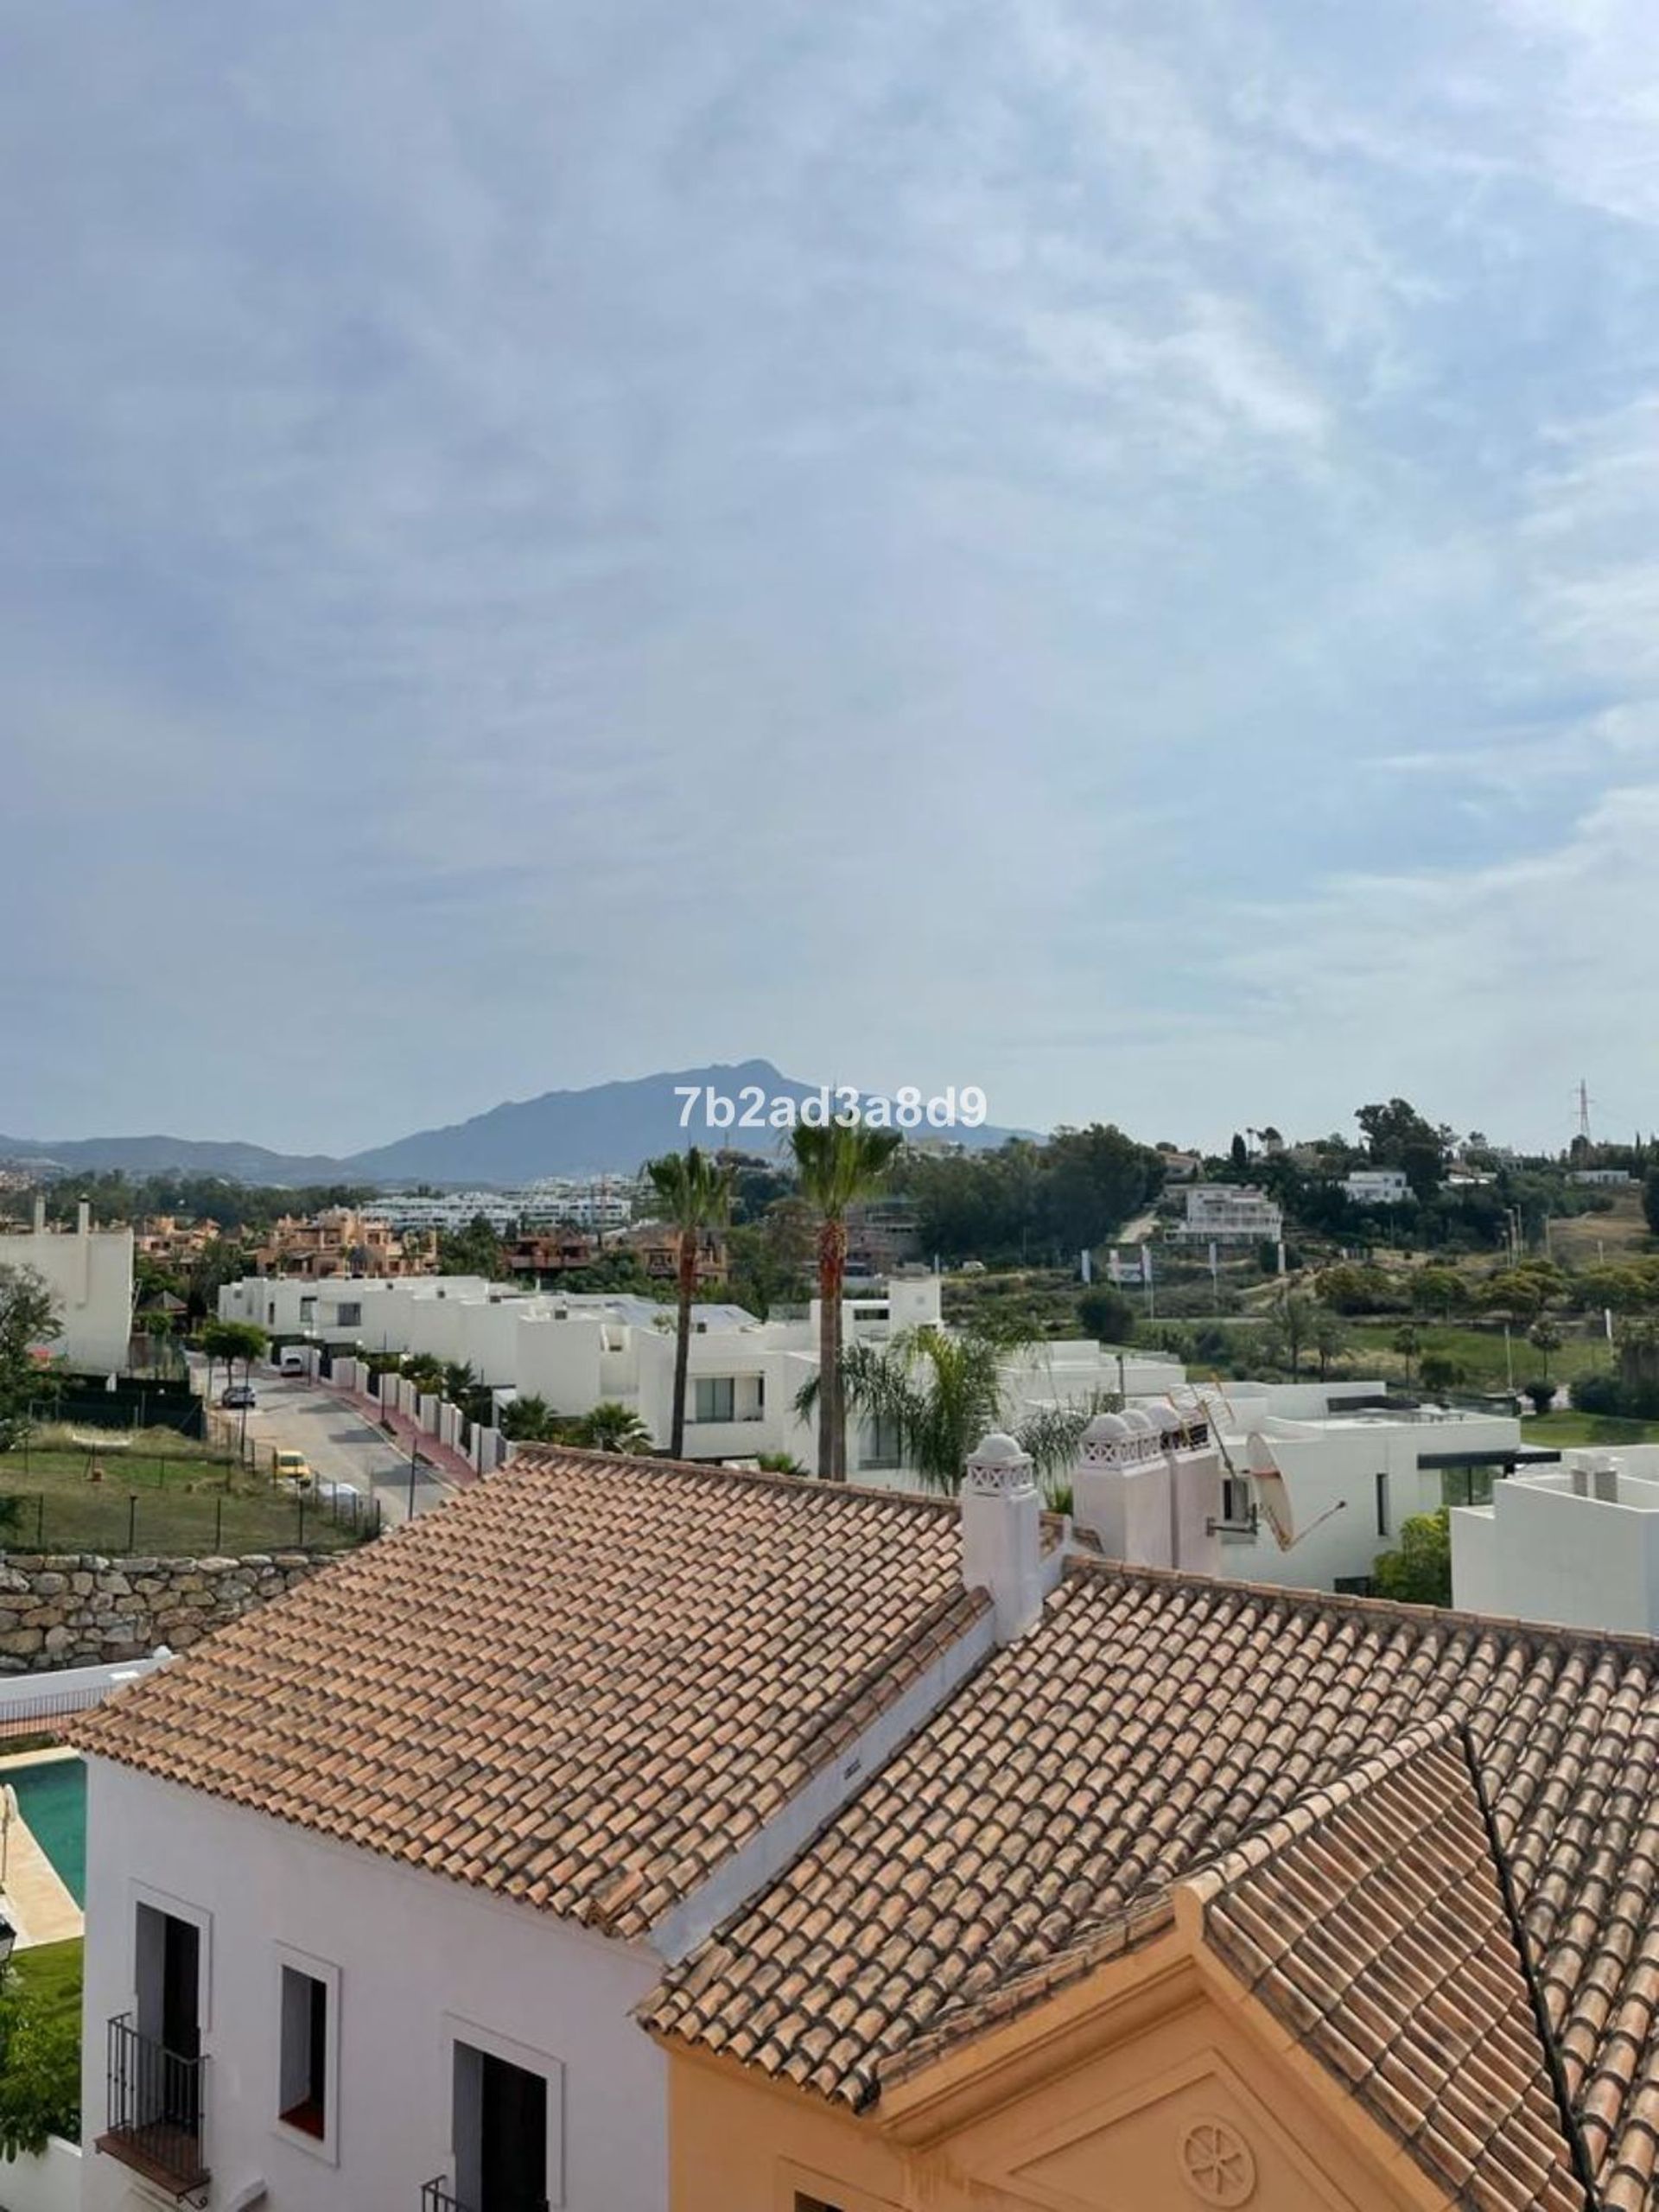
(296, 1360)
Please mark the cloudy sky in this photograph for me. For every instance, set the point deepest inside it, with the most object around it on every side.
(1106, 550)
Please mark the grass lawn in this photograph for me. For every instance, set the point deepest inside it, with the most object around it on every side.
(151, 1504)
(1479, 1352)
(50, 1974)
(1587, 1428)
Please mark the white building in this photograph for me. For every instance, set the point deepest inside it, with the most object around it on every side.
(377, 1877)
(1612, 1178)
(577, 1351)
(1318, 1485)
(1576, 1545)
(89, 1272)
(1377, 1186)
(605, 1202)
(1230, 1213)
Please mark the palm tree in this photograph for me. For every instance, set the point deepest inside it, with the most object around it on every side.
(936, 1396)
(838, 1167)
(612, 1427)
(696, 1196)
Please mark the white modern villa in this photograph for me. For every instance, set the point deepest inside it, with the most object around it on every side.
(1577, 1543)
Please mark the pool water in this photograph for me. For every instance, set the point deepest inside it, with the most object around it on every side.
(52, 1798)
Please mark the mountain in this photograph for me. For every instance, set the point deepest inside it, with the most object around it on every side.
(241, 1163)
(611, 1126)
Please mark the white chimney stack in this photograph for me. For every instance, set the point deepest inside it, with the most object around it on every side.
(1147, 1486)
(1002, 1542)
(84, 1219)
(40, 1216)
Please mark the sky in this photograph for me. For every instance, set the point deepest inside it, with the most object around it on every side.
(1105, 551)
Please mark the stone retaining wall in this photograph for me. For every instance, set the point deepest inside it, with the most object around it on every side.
(77, 1608)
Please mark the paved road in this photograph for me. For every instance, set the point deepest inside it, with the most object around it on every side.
(339, 1444)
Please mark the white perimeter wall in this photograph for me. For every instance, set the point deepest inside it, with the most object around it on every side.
(410, 1948)
(48, 2184)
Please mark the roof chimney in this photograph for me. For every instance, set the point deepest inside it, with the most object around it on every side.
(40, 1216)
(83, 1217)
(1001, 1537)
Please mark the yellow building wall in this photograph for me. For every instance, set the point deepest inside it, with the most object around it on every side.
(1186, 2110)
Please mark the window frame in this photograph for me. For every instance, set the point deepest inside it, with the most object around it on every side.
(286, 1959)
(457, 2030)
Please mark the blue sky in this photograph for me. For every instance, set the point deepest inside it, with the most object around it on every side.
(1104, 552)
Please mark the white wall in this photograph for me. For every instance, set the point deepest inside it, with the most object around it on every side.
(410, 1949)
(51, 2182)
(1329, 1471)
(1538, 1553)
(89, 1274)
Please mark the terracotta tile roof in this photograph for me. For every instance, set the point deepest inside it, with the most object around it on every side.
(584, 1684)
(1149, 1724)
(1372, 1921)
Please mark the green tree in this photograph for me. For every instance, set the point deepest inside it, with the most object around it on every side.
(531, 1420)
(28, 1320)
(40, 2071)
(1420, 1573)
(838, 1167)
(1541, 1392)
(1545, 1338)
(1329, 1336)
(1289, 1332)
(1439, 1290)
(474, 1251)
(936, 1396)
(1406, 1340)
(612, 1427)
(1438, 1370)
(695, 1196)
(1106, 1314)
(1650, 1199)
(1397, 1135)
(230, 1341)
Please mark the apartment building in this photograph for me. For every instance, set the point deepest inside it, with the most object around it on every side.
(89, 1271)
(1229, 1213)
(640, 1837)
(171, 1240)
(339, 1241)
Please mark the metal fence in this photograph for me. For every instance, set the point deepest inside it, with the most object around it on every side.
(113, 1519)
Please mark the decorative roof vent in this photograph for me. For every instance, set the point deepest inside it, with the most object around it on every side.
(997, 1467)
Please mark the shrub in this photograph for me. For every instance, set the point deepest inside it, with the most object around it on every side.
(1107, 1315)
(1597, 1394)
(1541, 1393)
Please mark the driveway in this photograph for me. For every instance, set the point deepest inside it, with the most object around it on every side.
(339, 1444)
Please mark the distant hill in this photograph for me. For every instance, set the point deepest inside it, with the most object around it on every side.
(611, 1126)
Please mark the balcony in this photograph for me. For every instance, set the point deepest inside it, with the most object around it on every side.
(439, 2196)
(154, 2110)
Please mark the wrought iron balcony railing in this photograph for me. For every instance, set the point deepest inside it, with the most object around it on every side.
(439, 2196)
(155, 2109)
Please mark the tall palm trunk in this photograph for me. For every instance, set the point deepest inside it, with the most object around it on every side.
(682, 1338)
(832, 1392)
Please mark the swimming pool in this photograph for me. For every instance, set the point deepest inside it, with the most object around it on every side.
(52, 1798)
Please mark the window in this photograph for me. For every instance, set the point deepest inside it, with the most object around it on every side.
(508, 2122)
(1383, 1504)
(348, 1315)
(716, 1398)
(307, 2009)
(879, 1446)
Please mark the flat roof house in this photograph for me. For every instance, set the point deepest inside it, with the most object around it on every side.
(630, 1835)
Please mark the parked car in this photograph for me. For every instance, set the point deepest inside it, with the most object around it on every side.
(238, 1394)
(292, 1468)
(294, 1361)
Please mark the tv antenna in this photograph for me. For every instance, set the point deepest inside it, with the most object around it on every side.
(1584, 1110)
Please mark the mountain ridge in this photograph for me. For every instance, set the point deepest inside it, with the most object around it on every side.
(597, 1128)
